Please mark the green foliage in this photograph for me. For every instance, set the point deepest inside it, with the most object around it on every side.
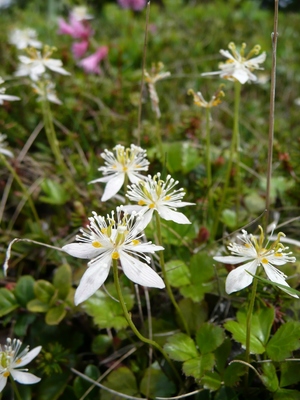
(156, 384)
(285, 340)
(121, 380)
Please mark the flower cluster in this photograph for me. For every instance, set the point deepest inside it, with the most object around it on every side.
(117, 237)
(252, 253)
(239, 67)
(78, 27)
(11, 361)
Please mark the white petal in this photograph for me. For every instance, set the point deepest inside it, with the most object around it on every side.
(113, 186)
(238, 279)
(241, 75)
(170, 215)
(30, 356)
(146, 218)
(92, 279)
(144, 248)
(231, 259)
(139, 272)
(278, 277)
(24, 377)
(3, 381)
(8, 97)
(82, 250)
(130, 209)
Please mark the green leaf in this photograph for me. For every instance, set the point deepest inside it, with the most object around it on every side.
(269, 377)
(289, 373)
(24, 290)
(121, 380)
(156, 384)
(8, 302)
(286, 289)
(194, 313)
(286, 394)
(36, 305)
(178, 273)
(101, 344)
(209, 337)
(52, 387)
(107, 312)
(229, 218)
(181, 347)
(62, 280)
(211, 380)
(222, 354)
(56, 314)
(181, 156)
(22, 323)
(55, 193)
(81, 386)
(202, 275)
(196, 367)
(233, 373)
(285, 340)
(44, 291)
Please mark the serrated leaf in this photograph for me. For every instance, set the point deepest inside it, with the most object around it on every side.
(155, 383)
(106, 311)
(222, 354)
(269, 377)
(239, 334)
(209, 337)
(233, 373)
(178, 273)
(289, 373)
(194, 313)
(44, 291)
(56, 314)
(8, 302)
(121, 380)
(286, 394)
(211, 380)
(181, 347)
(196, 367)
(285, 340)
(62, 280)
(24, 289)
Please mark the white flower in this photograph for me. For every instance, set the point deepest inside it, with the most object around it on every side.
(116, 237)
(37, 64)
(80, 13)
(5, 3)
(130, 161)
(3, 149)
(151, 79)
(11, 359)
(23, 38)
(201, 102)
(156, 194)
(46, 90)
(238, 67)
(4, 96)
(253, 253)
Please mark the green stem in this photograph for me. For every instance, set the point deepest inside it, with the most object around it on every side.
(248, 322)
(234, 153)
(24, 189)
(14, 386)
(159, 141)
(236, 136)
(131, 324)
(165, 276)
(208, 162)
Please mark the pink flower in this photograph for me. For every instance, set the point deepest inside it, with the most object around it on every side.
(90, 64)
(76, 29)
(80, 48)
(135, 5)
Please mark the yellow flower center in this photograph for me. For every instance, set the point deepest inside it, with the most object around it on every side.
(115, 255)
(264, 261)
(96, 244)
(152, 205)
(6, 374)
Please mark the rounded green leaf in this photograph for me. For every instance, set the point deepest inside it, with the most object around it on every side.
(8, 302)
(197, 366)
(56, 314)
(44, 291)
(121, 380)
(178, 273)
(36, 305)
(101, 344)
(181, 347)
(209, 337)
(156, 384)
(24, 289)
(62, 280)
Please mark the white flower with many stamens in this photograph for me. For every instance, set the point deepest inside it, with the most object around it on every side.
(38, 62)
(238, 67)
(156, 194)
(46, 91)
(130, 161)
(117, 237)
(4, 96)
(252, 253)
(11, 361)
(22, 38)
(3, 149)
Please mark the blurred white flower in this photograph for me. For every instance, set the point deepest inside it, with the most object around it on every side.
(11, 359)
(37, 64)
(5, 3)
(46, 90)
(156, 194)
(23, 38)
(201, 102)
(252, 253)
(116, 237)
(155, 75)
(81, 13)
(238, 67)
(3, 149)
(4, 96)
(126, 161)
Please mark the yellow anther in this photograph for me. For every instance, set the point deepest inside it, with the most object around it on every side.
(135, 242)
(6, 374)
(104, 231)
(96, 244)
(152, 205)
(278, 254)
(248, 245)
(18, 360)
(264, 261)
(115, 255)
(141, 202)
(125, 169)
(167, 198)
